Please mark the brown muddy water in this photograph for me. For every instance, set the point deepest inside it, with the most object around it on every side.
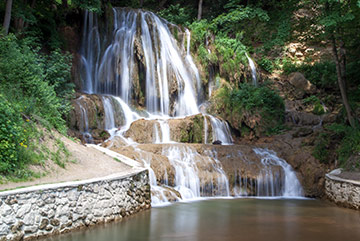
(232, 219)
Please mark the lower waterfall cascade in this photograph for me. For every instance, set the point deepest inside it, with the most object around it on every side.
(170, 85)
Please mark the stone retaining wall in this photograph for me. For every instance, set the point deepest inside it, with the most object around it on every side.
(341, 191)
(58, 208)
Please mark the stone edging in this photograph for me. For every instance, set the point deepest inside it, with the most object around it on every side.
(44, 210)
(331, 176)
(342, 191)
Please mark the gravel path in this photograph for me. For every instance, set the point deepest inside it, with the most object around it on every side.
(90, 163)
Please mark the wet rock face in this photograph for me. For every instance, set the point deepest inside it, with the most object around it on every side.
(87, 117)
(239, 163)
(190, 129)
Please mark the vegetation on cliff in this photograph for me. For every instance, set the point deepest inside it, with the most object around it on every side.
(251, 110)
(35, 81)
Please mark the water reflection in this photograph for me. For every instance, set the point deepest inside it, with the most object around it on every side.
(239, 219)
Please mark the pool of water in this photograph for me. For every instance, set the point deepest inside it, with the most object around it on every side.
(232, 219)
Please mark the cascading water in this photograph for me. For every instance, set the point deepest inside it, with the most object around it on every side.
(140, 60)
(109, 113)
(221, 130)
(192, 65)
(192, 182)
(271, 184)
(111, 71)
(253, 69)
(84, 123)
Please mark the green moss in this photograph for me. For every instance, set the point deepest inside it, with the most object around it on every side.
(198, 128)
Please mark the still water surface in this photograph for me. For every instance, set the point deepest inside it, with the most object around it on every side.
(236, 219)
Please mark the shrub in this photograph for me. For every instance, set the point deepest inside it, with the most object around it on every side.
(29, 78)
(349, 141)
(242, 104)
(12, 136)
(176, 14)
(315, 102)
(266, 64)
(321, 74)
(33, 88)
(321, 150)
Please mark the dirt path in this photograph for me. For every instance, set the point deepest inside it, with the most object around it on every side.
(90, 163)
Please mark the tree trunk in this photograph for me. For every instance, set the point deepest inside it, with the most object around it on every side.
(200, 9)
(7, 17)
(141, 3)
(341, 82)
(342, 61)
(162, 3)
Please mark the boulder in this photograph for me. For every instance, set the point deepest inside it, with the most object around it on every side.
(299, 81)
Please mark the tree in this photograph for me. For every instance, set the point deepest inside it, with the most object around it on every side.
(7, 17)
(200, 9)
(334, 16)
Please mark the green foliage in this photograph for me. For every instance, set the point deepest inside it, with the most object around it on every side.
(57, 74)
(12, 136)
(321, 150)
(91, 5)
(315, 102)
(27, 77)
(176, 14)
(232, 53)
(266, 64)
(234, 20)
(339, 140)
(33, 88)
(262, 104)
(349, 141)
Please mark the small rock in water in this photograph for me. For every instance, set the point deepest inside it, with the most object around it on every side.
(217, 142)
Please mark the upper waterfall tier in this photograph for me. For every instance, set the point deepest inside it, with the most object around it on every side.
(139, 60)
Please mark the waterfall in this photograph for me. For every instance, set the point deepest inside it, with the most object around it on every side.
(221, 130)
(270, 185)
(107, 67)
(165, 131)
(109, 113)
(205, 130)
(129, 115)
(140, 72)
(191, 182)
(253, 69)
(193, 66)
(84, 123)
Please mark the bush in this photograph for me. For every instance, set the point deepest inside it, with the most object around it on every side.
(176, 14)
(315, 102)
(349, 141)
(29, 78)
(339, 141)
(247, 103)
(321, 74)
(266, 64)
(12, 136)
(33, 88)
(321, 150)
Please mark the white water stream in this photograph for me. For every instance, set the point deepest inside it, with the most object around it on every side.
(108, 67)
(253, 69)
